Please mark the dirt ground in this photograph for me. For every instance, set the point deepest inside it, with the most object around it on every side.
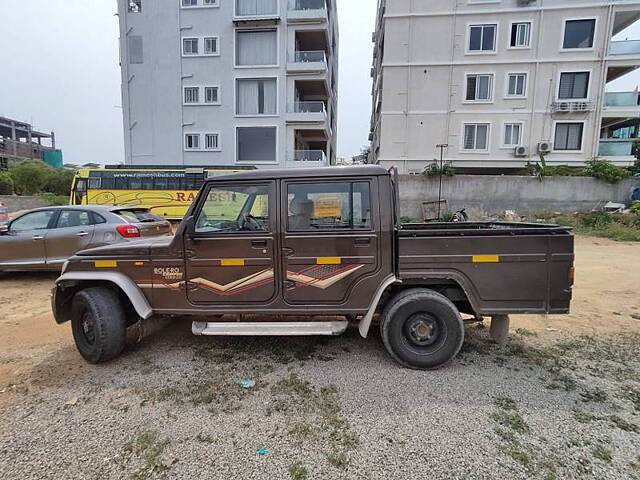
(38, 360)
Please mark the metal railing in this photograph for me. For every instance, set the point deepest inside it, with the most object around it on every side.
(615, 147)
(313, 156)
(307, 107)
(310, 56)
(301, 5)
(622, 99)
(625, 47)
(572, 106)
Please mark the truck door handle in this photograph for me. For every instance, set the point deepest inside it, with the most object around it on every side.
(259, 243)
(82, 234)
(37, 237)
(362, 242)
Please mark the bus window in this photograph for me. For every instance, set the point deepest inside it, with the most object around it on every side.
(161, 184)
(94, 183)
(121, 184)
(80, 190)
(107, 181)
(135, 184)
(147, 183)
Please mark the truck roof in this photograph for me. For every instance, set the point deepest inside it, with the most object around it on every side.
(286, 173)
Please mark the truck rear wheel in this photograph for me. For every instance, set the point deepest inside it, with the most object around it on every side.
(422, 329)
(99, 324)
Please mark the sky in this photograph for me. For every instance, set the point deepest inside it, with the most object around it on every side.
(63, 74)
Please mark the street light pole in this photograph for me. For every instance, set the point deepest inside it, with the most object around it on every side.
(441, 146)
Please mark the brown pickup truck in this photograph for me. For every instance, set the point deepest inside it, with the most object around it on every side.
(323, 242)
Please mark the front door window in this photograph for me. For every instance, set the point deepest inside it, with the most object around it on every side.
(233, 209)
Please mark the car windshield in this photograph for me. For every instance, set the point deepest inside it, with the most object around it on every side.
(138, 215)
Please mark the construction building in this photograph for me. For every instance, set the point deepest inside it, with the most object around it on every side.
(19, 141)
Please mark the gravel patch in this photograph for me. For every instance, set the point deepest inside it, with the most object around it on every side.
(338, 408)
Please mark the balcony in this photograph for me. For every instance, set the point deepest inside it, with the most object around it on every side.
(307, 159)
(308, 61)
(307, 11)
(625, 47)
(621, 105)
(256, 11)
(616, 147)
(300, 112)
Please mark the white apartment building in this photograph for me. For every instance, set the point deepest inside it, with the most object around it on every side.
(499, 81)
(229, 82)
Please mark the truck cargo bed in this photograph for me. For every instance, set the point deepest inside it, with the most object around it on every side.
(479, 229)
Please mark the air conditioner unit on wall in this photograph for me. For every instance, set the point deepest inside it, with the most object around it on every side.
(521, 151)
(544, 147)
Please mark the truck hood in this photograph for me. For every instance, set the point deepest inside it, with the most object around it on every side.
(135, 248)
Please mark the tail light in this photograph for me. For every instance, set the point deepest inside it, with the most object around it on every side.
(128, 231)
(572, 276)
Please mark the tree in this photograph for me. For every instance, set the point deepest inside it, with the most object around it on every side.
(6, 184)
(59, 181)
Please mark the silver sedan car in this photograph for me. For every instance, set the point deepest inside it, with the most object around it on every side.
(44, 238)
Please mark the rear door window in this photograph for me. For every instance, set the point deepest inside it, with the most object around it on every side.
(329, 206)
(74, 218)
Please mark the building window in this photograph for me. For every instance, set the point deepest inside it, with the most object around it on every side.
(579, 33)
(516, 85)
(256, 96)
(257, 47)
(211, 95)
(479, 88)
(512, 134)
(482, 38)
(211, 3)
(135, 6)
(189, 3)
(252, 8)
(257, 144)
(476, 137)
(211, 46)
(573, 85)
(521, 35)
(211, 141)
(191, 95)
(190, 46)
(568, 136)
(192, 141)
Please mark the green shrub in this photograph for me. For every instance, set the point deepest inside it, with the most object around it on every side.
(635, 208)
(6, 184)
(604, 170)
(620, 227)
(53, 200)
(434, 170)
(564, 171)
(31, 177)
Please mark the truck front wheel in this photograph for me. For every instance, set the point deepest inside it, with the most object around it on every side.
(99, 324)
(422, 329)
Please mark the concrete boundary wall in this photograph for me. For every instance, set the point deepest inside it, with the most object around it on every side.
(488, 195)
(16, 203)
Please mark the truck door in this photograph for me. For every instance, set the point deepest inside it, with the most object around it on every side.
(331, 241)
(229, 260)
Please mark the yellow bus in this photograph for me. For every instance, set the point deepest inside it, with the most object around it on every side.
(166, 191)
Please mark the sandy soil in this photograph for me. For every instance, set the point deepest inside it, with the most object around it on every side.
(605, 301)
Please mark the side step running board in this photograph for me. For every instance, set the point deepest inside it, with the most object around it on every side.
(269, 329)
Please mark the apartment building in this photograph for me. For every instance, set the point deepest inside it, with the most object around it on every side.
(500, 81)
(20, 141)
(229, 82)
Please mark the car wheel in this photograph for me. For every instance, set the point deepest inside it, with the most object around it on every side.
(422, 329)
(99, 324)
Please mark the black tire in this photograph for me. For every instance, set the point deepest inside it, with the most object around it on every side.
(422, 329)
(99, 324)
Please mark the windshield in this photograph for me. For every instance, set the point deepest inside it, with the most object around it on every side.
(139, 216)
